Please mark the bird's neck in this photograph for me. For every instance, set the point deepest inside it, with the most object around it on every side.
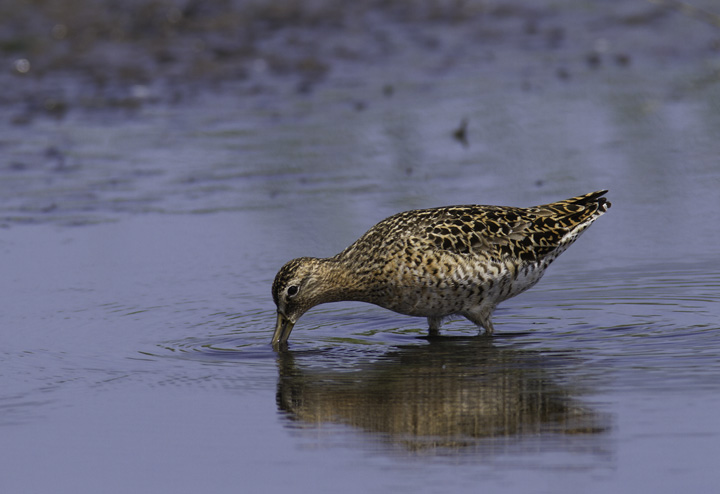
(340, 281)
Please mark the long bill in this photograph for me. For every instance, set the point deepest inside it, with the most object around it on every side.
(283, 327)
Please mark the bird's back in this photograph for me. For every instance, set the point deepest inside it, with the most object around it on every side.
(494, 232)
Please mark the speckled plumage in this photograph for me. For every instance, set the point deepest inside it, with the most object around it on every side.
(438, 262)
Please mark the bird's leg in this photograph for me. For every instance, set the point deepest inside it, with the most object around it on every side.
(434, 324)
(482, 318)
(488, 325)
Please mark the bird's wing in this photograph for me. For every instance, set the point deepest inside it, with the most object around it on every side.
(501, 232)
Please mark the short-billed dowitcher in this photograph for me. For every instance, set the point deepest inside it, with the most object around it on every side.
(438, 262)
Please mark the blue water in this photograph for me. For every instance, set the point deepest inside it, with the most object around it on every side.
(139, 247)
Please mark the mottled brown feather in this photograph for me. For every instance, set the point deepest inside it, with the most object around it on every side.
(442, 261)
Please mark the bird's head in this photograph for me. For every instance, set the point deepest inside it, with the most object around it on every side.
(296, 290)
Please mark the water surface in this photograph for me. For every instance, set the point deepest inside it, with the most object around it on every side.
(139, 247)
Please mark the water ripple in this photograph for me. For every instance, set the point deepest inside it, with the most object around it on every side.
(657, 324)
(662, 321)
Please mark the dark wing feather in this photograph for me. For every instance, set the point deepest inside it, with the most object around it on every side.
(491, 231)
(502, 232)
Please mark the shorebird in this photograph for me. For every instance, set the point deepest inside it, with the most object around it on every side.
(439, 262)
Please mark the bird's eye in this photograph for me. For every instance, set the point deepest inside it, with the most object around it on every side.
(292, 291)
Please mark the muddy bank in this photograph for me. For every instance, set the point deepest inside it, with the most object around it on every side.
(186, 107)
(61, 55)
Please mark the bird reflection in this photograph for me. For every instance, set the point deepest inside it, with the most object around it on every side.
(448, 393)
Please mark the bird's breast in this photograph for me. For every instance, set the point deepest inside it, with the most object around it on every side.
(448, 284)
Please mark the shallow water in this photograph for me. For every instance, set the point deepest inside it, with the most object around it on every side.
(139, 247)
(147, 364)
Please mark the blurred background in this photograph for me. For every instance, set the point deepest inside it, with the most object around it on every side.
(405, 85)
(70, 54)
(160, 160)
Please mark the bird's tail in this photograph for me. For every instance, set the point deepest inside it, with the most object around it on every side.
(574, 215)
